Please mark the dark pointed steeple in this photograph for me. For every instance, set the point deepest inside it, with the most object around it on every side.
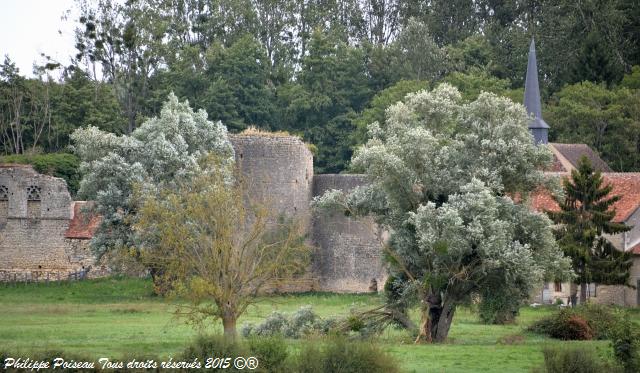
(538, 127)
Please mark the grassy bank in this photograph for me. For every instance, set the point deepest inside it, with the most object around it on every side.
(121, 317)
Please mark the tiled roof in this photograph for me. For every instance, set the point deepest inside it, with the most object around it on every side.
(573, 153)
(625, 184)
(82, 225)
(635, 249)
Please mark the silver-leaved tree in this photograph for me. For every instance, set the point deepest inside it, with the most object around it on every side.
(443, 178)
(163, 151)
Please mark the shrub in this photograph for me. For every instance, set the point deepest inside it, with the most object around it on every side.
(499, 310)
(274, 324)
(213, 345)
(600, 319)
(302, 323)
(62, 165)
(271, 353)
(574, 328)
(572, 361)
(625, 341)
(340, 355)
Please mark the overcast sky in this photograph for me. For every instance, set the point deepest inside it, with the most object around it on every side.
(31, 27)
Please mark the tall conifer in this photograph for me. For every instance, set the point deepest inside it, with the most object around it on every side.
(586, 215)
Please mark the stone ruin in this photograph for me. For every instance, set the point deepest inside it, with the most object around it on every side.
(44, 235)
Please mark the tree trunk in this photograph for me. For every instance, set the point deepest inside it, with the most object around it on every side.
(440, 331)
(573, 294)
(436, 319)
(229, 318)
(229, 325)
(424, 331)
(583, 293)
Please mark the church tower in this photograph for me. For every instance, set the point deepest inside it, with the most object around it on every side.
(538, 127)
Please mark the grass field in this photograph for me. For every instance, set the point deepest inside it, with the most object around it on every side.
(121, 317)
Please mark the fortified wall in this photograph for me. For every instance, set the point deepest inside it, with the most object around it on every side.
(350, 250)
(278, 171)
(37, 239)
(44, 235)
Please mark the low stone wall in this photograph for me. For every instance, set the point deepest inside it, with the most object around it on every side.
(348, 251)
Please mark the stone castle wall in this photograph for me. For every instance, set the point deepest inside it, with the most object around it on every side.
(277, 172)
(349, 250)
(36, 212)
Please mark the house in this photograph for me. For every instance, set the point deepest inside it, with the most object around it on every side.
(624, 184)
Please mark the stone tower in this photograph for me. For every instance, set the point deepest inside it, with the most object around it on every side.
(538, 127)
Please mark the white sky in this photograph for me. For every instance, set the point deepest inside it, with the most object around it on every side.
(30, 27)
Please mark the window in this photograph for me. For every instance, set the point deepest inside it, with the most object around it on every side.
(33, 193)
(557, 286)
(4, 204)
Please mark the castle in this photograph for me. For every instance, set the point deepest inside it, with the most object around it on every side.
(44, 235)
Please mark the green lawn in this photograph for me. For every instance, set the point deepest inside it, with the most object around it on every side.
(120, 317)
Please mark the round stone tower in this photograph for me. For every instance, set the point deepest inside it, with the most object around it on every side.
(277, 172)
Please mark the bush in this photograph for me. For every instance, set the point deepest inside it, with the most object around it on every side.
(625, 341)
(600, 319)
(572, 361)
(499, 310)
(213, 346)
(62, 165)
(302, 323)
(274, 324)
(339, 355)
(271, 353)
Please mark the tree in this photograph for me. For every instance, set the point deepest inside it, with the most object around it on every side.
(331, 88)
(420, 58)
(606, 119)
(375, 112)
(25, 110)
(585, 215)
(161, 152)
(441, 172)
(215, 248)
(124, 41)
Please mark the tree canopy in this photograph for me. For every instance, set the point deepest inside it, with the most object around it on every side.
(161, 152)
(312, 68)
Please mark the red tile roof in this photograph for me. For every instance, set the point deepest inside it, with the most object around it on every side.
(635, 249)
(83, 225)
(625, 184)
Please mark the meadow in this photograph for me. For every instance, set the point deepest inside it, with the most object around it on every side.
(118, 317)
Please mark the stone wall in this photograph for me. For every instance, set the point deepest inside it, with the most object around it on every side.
(34, 217)
(277, 171)
(349, 251)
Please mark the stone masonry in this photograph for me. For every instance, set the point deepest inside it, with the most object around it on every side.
(35, 213)
(44, 236)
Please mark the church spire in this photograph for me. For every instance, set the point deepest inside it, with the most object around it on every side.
(538, 127)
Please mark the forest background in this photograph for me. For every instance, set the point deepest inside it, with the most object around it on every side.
(324, 69)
